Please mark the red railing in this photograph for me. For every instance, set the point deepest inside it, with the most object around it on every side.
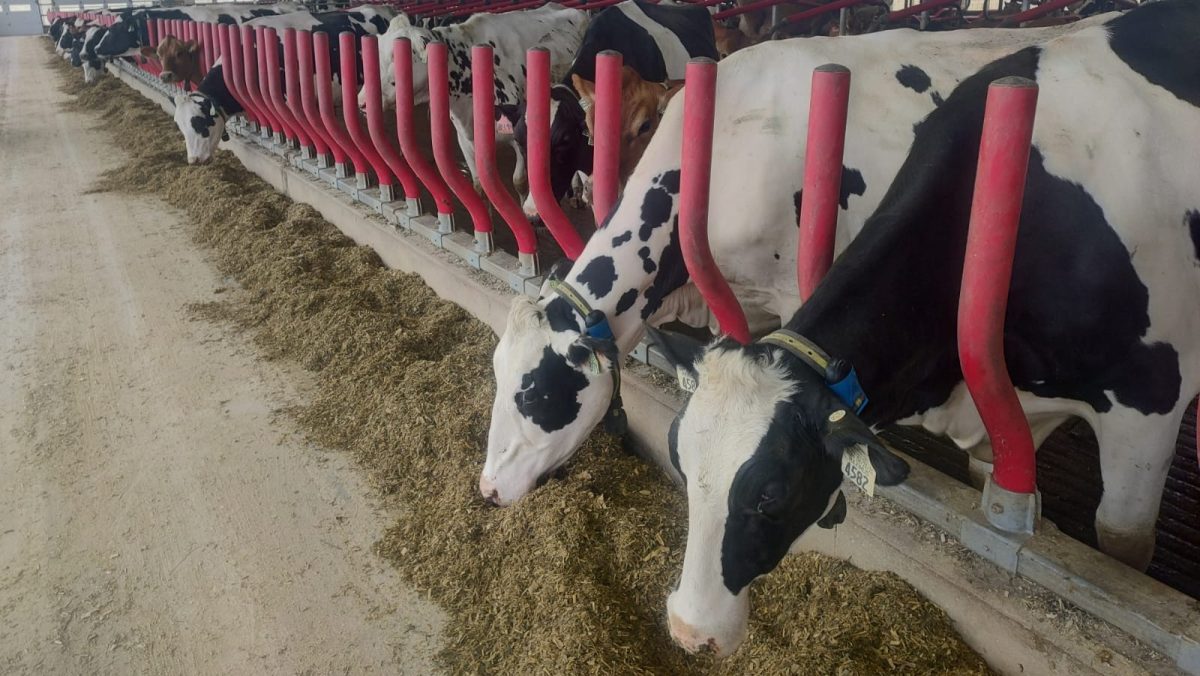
(375, 126)
(324, 80)
(828, 103)
(537, 122)
(325, 143)
(991, 243)
(348, 50)
(406, 131)
(442, 133)
(699, 106)
(606, 135)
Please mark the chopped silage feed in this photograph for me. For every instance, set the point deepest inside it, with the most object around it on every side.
(572, 579)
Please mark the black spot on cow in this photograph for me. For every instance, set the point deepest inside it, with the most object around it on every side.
(647, 263)
(626, 301)
(599, 275)
(672, 274)
(496, 59)
(937, 99)
(658, 203)
(914, 78)
(561, 316)
(797, 202)
(1192, 221)
(549, 394)
(201, 124)
(852, 184)
(621, 239)
(1158, 41)
(776, 256)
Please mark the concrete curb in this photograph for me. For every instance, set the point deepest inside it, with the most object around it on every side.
(978, 596)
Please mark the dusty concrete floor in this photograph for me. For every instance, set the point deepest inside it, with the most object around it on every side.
(157, 512)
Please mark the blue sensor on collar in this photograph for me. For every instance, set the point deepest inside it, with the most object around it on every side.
(597, 325)
(850, 391)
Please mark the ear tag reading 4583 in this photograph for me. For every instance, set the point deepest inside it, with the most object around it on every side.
(856, 462)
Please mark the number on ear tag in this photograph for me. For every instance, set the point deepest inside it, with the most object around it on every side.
(857, 467)
(687, 382)
(594, 364)
(504, 126)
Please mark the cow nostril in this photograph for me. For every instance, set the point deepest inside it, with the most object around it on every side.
(493, 498)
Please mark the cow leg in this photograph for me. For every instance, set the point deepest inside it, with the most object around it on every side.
(1135, 454)
(520, 177)
(980, 460)
(463, 118)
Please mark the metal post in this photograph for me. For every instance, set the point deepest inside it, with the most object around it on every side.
(250, 73)
(324, 80)
(232, 63)
(405, 130)
(295, 132)
(537, 122)
(266, 52)
(375, 127)
(291, 101)
(699, 110)
(606, 162)
(322, 142)
(348, 50)
(483, 96)
(443, 143)
(1010, 499)
(828, 103)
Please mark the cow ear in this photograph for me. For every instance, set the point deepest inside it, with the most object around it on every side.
(585, 89)
(682, 351)
(629, 78)
(149, 53)
(845, 430)
(192, 47)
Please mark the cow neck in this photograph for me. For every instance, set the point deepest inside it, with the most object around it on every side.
(213, 88)
(889, 305)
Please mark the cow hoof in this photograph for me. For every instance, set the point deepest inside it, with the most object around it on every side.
(1134, 549)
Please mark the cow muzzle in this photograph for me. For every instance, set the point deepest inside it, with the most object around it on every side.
(168, 77)
(719, 634)
(490, 493)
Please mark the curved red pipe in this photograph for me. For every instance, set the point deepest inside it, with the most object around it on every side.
(430, 178)
(483, 97)
(987, 271)
(375, 127)
(250, 71)
(606, 162)
(231, 49)
(349, 73)
(308, 99)
(268, 80)
(325, 102)
(443, 137)
(537, 122)
(699, 104)
(822, 184)
(291, 94)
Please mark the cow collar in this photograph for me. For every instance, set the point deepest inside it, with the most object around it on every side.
(838, 375)
(596, 326)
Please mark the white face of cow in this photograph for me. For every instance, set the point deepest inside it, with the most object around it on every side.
(759, 445)
(535, 427)
(202, 126)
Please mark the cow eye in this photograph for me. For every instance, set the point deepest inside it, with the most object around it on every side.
(645, 128)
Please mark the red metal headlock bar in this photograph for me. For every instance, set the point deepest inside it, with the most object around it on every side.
(268, 81)
(483, 97)
(208, 53)
(752, 7)
(151, 41)
(816, 11)
(231, 50)
(1036, 12)
(349, 75)
(430, 178)
(324, 80)
(291, 95)
(926, 6)
(325, 144)
(606, 156)
(222, 51)
(537, 121)
(250, 73)
(828, 102)
(987, 269)
(699, 110)
(375, 127)
(443, 145)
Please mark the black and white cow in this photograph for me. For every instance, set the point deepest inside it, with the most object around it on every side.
(548, 399)
(201, 115)
(129, 33)
(510, 35)
(71, 32)
(655, 41)
(1101, 321)
(83, 53)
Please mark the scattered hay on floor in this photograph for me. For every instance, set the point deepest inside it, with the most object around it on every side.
(574, 578)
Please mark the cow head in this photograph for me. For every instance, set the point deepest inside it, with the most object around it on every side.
(202, 124)
(121, 39)
(760, 446)
(402, 27)
(180, 60)
(642, 105)
(730, 40)
(570, 147)
(553, 385)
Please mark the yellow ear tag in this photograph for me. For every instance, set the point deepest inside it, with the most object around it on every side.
(857, 467)
(687, 382)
